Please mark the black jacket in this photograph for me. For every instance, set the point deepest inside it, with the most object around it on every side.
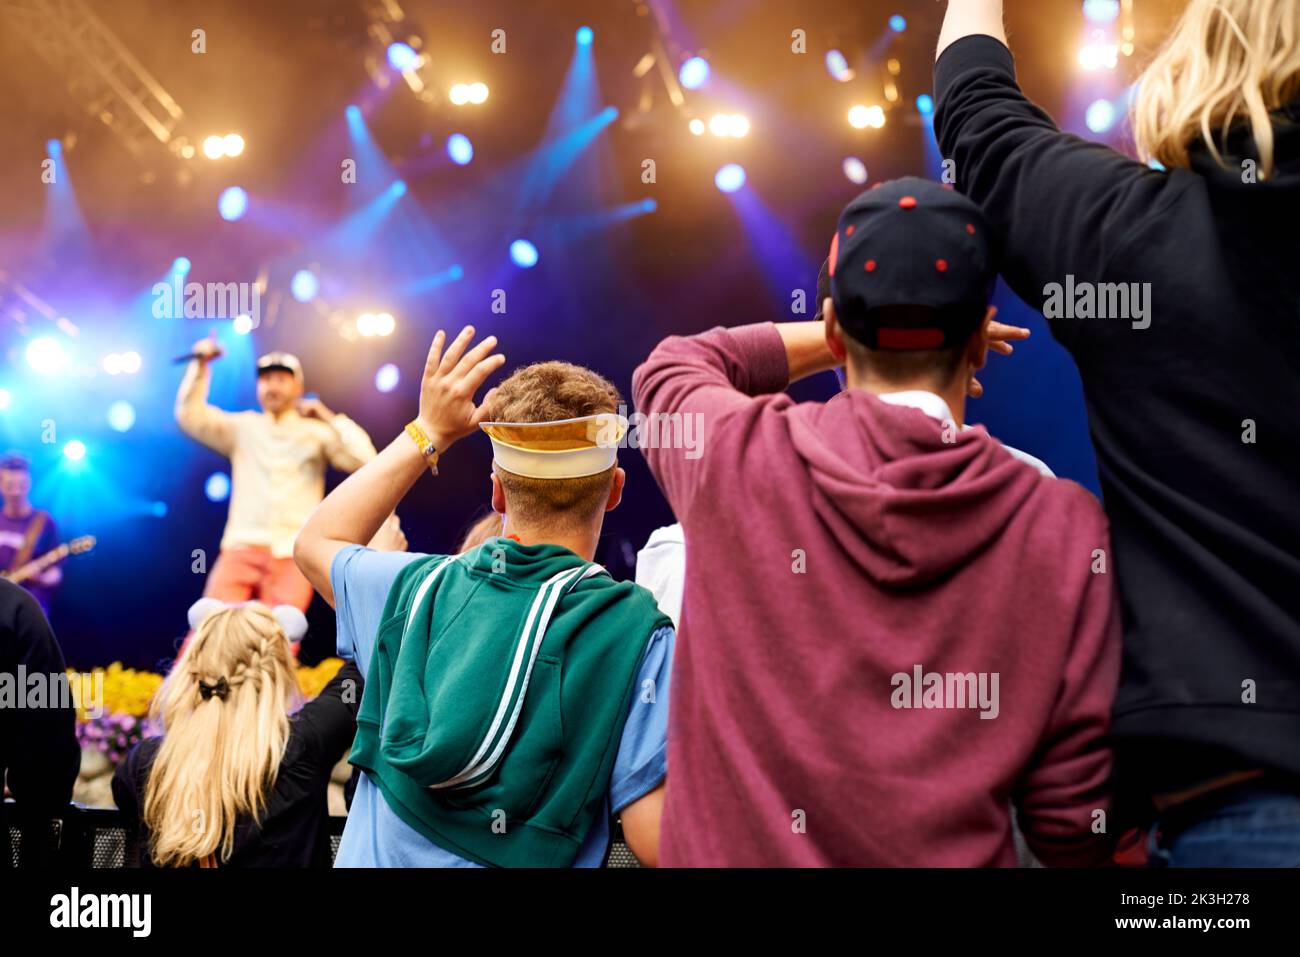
(1195, 418)
(38, 745)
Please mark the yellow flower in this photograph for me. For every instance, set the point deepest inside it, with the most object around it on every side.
(311, 681)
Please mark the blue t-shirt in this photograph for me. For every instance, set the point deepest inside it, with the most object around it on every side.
(376, 837)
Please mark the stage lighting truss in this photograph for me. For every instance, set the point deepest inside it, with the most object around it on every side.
(386, 24)
(101, 73)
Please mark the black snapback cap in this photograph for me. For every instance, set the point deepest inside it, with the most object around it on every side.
(910, 266)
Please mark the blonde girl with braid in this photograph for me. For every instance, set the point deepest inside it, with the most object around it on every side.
(238, 778)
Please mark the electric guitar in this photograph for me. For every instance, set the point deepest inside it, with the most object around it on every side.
(55, 555)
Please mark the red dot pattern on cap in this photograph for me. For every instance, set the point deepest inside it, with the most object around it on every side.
(907, 202)
(871, 265)
(849, 231)
(970, 228)
(941, 265)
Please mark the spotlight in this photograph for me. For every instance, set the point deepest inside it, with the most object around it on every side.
(46, 355)
(729, 124)
(232, 204)
(384, 324)
(304, 285)
(456, 272)
(1098, 54)
(837, 66)
(233, 143)
(112, 364)
(1100, 11)
(694, 73)
(696, 126)
(523, 253)
(855, 170)
(214, 147)
(402, 57)
(1100, 116)
(75, 450)
(131, 362)
(459, 93)
(925, 104)
(181, 265)
(217, 487)
(649, 205)
(460, 149)
(5, 399)
(353, 113)
(158, 509)
(478, 93)
(53, 147)
(584, 36)
(242, 325)
(121, 416)
(398, 188)
(730, 178)
(366, 324)
(898, 23)
(859, 117)
(387, 377)
(873, 116)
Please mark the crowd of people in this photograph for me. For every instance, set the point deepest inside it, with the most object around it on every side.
(875, 635)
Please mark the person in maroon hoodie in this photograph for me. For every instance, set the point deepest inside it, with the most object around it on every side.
(893, 631)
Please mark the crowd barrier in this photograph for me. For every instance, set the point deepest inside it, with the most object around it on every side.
(91, 837)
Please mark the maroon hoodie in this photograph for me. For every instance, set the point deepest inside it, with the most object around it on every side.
(837, 553)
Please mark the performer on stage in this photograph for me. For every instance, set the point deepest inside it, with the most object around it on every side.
(26, 532)
(278, 458)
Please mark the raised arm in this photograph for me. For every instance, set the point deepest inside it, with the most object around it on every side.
(1056, 204)
(353, 512)
(197, 419)
(715, 374)
(967, 18)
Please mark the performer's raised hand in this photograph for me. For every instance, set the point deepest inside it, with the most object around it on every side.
(451, 378)
(207, 349)
(314, 409)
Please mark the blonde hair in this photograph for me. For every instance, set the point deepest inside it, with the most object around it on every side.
(1226, 61)
(546, 392)
(489, 526)
(220, 755)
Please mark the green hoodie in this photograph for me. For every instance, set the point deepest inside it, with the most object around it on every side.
(495, 700)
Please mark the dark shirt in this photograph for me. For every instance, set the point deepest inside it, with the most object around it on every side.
(293, 829)
(13, 533)
(1205, 522)
(38, 745)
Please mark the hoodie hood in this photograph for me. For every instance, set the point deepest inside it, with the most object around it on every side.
(1239, 145)
(905, 505)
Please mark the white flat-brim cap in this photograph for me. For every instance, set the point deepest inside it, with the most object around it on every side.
(566, 448)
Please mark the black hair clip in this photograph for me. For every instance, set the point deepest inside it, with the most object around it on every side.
(220, 689)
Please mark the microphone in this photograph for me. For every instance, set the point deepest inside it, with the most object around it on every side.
(190, 357)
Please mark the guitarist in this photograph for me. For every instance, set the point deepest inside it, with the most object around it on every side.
(26, 532)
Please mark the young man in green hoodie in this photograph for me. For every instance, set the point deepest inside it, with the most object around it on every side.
(515, 695)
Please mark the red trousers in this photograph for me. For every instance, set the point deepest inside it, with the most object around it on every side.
(250, 573)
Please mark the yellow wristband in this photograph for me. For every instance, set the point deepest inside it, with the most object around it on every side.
(424, 444)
